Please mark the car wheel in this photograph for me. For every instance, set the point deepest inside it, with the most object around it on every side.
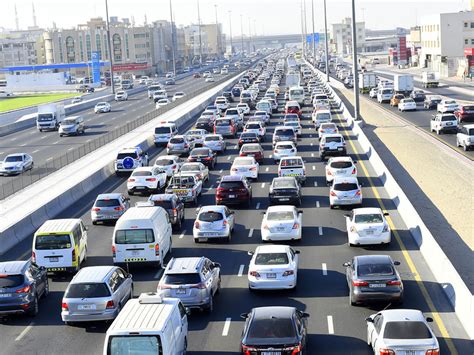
(46, 289)
(229, 237)
(218, 285)
(351, 301)
(33, 311)
(210, 305)
(299, 202)
(131, 193)
(331, 207)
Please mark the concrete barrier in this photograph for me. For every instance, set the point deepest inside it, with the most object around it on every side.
(443, 270)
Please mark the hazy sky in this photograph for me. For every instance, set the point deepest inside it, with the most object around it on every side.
(266, 16)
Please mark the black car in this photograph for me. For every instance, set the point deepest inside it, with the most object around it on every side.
(431, 102)
(173, 205)
(248, 137)
(205, 123)
(373, 278)
(233, 189)
(22, 284)
(235, 92)
(203, 155)
(228, 95)
(276, 330)
(285, 190)
(418, 95)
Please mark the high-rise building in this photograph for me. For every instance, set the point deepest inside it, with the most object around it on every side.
(341, 36)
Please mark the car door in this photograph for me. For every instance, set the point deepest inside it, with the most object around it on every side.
(125, 284)
(183, 331)
(294, 258)
(373, 330)
(38, 276)
(350, 274)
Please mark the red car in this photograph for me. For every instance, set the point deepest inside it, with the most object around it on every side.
(293, 107)
(252, 150)
(233, 189)
(464, 113)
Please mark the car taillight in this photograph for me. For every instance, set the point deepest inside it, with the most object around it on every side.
(432, 352)
(175, 211)
(173, 167)
(394, 283)
(224, 223)
(64, 306)
(96, 209)
(248, 350)
(332, 193)
(201, 286)
(150, 179)
(254, 274)
(296, 350)
(265, 226)
(119, 208)
(33, 257)
(242, 155)
(358, 193)
(329, 172)
(157, 249)
(354, 171)
(114, 251)
(110, 305)
(359, 283)
(253, 169)
(233, 169)
(73, 254)
(168, 145)
(25, 289)
(196, 225)
(131, 180)
(386, 352)
(296, 226)
(288, 273)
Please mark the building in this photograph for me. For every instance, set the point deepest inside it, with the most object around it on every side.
(445, 40)
(215, 39)
(208, 41)
(21, 47)
(341, 36)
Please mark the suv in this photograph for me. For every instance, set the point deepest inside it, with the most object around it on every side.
(284, 133)
(332, 144)
(130, 158)
(464, 113)
(173, 205)
(465, 137)
(233, 189)
(443, 122)
(194, 280)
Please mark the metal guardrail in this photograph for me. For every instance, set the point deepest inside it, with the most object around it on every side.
(18, 183)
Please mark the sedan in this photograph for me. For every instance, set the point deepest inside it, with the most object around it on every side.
(373, 278)
(431, 102)
(273, 267)
(178, 95)
(373, 93)
(447, 106)
(169, 163)
(407, 105)
(246, 167)
(345, 191)
(367, 226)
(296, 127)
(244, 108)
(161, 103)
(15, 164)
(280, 329)
(215, 142)
(284, 149)
(198, 169)
(285, 190)
(102, 107)
(147, 179)
(109, 207)
(252, 150)
(401, 331)
(213, 222)
(340, 167)
(327, 128)
(418, 95)
(256, 127)
(282, 223)
(203, 155)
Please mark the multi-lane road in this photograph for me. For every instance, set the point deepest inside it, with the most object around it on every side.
(334, 326)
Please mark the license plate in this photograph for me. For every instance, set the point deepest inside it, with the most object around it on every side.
(271, 276)
(271, 352)
(376, 285)
(340, 171)
(135, 253)
(181, 192)
(54, 260)
(231, 196)
(280, 229)
(140, 187)
(284, 199)
(369, 232)
(86, 307)
(449, 123)
(5, 295)
(339, 148)
(180, 291)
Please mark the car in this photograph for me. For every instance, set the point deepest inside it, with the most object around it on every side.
(283, 222)
(284, 134)
(244, 108)
(340, 167)
(178, 145)
(209, 79)
(130, 158)
(215, 142)
(196, 136)
(159, 94)
(373, 93)
(401, 331)
(147, 179)
(102, 107)
(216, 71)
(407, 105)
(22, 284)
(72, 125)
(245, 166)
(109, 207)
(257, 127)
(444, 122)
(197, 75)
(76, 100)
(210, 114)
(161, 103)
(228, 95)
(292, 166)
(296, 127)
(431, 102)
(367, 226)
(193, 280)
(200, 170)
(170, 81)
(465, 137)
(205, 123)
(221, 103)
(203, 155)
(169, 163)
(121, 95)
(178, 95)
(321, 116)
(164, 131)
(252, 150)
(273, 267)
(418, 95)
(285, 190)
(447, 106)
(373, 278)
(96, 293)
(345, 191)
(282, 330)
(291, 117)
(327, 128)
(332, 145)
(284, 149)
(15, 164)
(186, 186)
(248, 137)
(213, 222)
(173, 205)
(293, 107)
(233, 189)
(464, 113)
(395, 100)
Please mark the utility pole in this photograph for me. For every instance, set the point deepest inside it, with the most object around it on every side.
(302, 29)
(109, 44)
(250, 37)
(242, 33)
(230, 33)
(200, 38)
(313, 34)
(355, 66)
(326, 41)
(173, 42)
(305, 29)
(217, 34)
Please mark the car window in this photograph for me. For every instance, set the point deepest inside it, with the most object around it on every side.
(285, 132)
(346, 187)
(231, 185)
(87, 290)
(164, 162)
(375, 269)
(448, 118)
(378, 322)
(177, 139)
(212, 139)
(162, 130)
(271, 259)
(182, 310)
(280, 216)
(182, 279)
(333, 139)
(134, 236)
(240, 162)
(121, 156)
(166, 204)
(55, 241)
(341, 164)
(368, 218)
(406, 330)
(142, 173)
(210, 216)
(271, 327)
(107, 203)
(284, 183)
(10, 281)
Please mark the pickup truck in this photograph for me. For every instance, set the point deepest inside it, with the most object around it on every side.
(292, 166)
(186, 186)
(465, 137)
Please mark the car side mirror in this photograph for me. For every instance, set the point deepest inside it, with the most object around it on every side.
(197, 210)
(305, 315)
(386, 214)
(429, 319)
(129, 276)
(346, 264)
(300, 212)
(355, 161)
(250, 253)
(347, 215)
(369, 320)
(232, 212)
(297, 252)
(244, 315)
(396, 263)
(216, 265)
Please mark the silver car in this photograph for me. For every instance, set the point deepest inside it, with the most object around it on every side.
(96, 293)
(215, 142)
(14, 164)
(109, 207)
(194, 280)
(179, 145)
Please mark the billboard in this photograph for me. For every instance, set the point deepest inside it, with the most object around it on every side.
(130, 66)
(402, 50)
(96, 67)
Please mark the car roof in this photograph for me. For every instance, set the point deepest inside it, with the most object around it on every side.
(390, 315)
(109, 196)
(365, 210)
(288, 158)
(272, 248)
(273, 311)
(167, 157)
(92, 274)
(13, 267)
(211, 208)
(280, 208)
(373, 259)
(143, 168)
(323, 111)
(184, 265)
(232, 178)
(333, 135)
(469, 126)
(345, 180)
(58, 225)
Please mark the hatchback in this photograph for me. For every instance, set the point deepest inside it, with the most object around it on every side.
(284, 149)
(213, 222)
(203, 155)
(285, 190)
(345, 192)
(292, 166)
(282, 223)
(252, 150)
(215, 142)
(205, 123)
(233, 189)
(245, 166)
(179, 145)
(340, 167)
(109, 207)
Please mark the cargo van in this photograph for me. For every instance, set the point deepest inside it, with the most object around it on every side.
(142, 235)
(149, 325)
(60, 245)
(164, 132)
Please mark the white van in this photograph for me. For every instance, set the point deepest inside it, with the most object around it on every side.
(142, 235)
(164, 132)
(384, 95)
(149, 325)
(73, 125)
(296, 93)
(60, 245)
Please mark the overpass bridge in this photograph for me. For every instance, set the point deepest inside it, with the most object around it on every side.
(269, 41)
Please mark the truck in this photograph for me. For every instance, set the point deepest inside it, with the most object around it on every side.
(367, 81)
(430, 79)
(403, 84)
(49, 116)
(292, 79)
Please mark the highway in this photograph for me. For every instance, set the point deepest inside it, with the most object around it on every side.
(334, 326)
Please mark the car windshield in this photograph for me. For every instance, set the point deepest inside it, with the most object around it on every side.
(240, 162)
(406, 330)
(185, 182)
(7, 281)
(134, 236)
(280, 216)
(341, 164)
(141, 173)
(231, 185)
(210, 216)
(328, 126)
(177, 140)
(368, 218)
(470, 132)
(13, 159)
(162, 130)
(292, 124)
(285, 132)
(375, 270)
(248, 135)
(253, 126)
(346, 186)
(137, 344)
(200, 152)
(191, 167)
(271, 259)
(284, 146)
(232, 112)
(132, 155)
(182, 279)
(250, 148)
(448, 118)
(87, 290)
(286, 163)
(323, 116)
(449, 102)
(107, 203)
(164, 162)
(333, 139)
(52, 241)
(271, 328)
(284, 183)
(468, 108)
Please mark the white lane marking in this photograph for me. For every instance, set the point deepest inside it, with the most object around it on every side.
(310, 136)
(70, 148)
(317, 204)
(263, 185)
(258, 206)
(1, 153)
(241, 270)
(266, 169)
(315, 183)
(87, 141)
(50, 158)
(271, 156)
(33, 152)
(44, 137)
(228, 158)
(311, 143)
(312, 154)
(211, 187)
(320, 230)
(158, 273)
(113, 118)
(24, 332)
(56, 142)
(236, 147)
(182, 234)
(330, 325)
(221, 171)
(325, 269)
(22, 145)
(314, 167)
(225, 331)
(14, 139)
(251, 233)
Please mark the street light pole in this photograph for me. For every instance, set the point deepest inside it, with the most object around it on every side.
(230, 34)
(302, 29)
(200, 38)
(250, 36)
(313, 35)
(355, 69)
(305, 30)
(326, 41)
(242, 33)
(173, 42)
(217, 33)
(109, 44)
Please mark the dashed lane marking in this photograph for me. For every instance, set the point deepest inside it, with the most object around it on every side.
(182, 234)
(266, 169)
(320, 230)
(317, 204)
(225, 331)
(315, 183)
(330, 325)
(250, 233)
(241, 270)
(258, 206)
(324, 267)
(24, 332)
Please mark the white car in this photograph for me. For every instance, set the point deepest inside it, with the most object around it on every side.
(209, 79)
(17, 163)
(282, 223)
(373, 93)
(121, 96)
(321, 116)
(340, 167)
(401, 331)
(284, 149)
(76, 100)
(169, 163)
(407, 105)
(198, 169)
(102, 107)
(159, 94)
(367, 226)
(245, 166)
(296, 126)
(263, 114)
(345, 191)
(444, 122)
(147, 179)
(196, 136)
(273, 267)
(161, 103)
(215, 142)
(244, 107)
(447, 106)
(213, 222)
(221, 103)
(178, 95)
(327, 128)
(256, 127)
(292, 166)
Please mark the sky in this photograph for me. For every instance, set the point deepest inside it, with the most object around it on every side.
(258, 16)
